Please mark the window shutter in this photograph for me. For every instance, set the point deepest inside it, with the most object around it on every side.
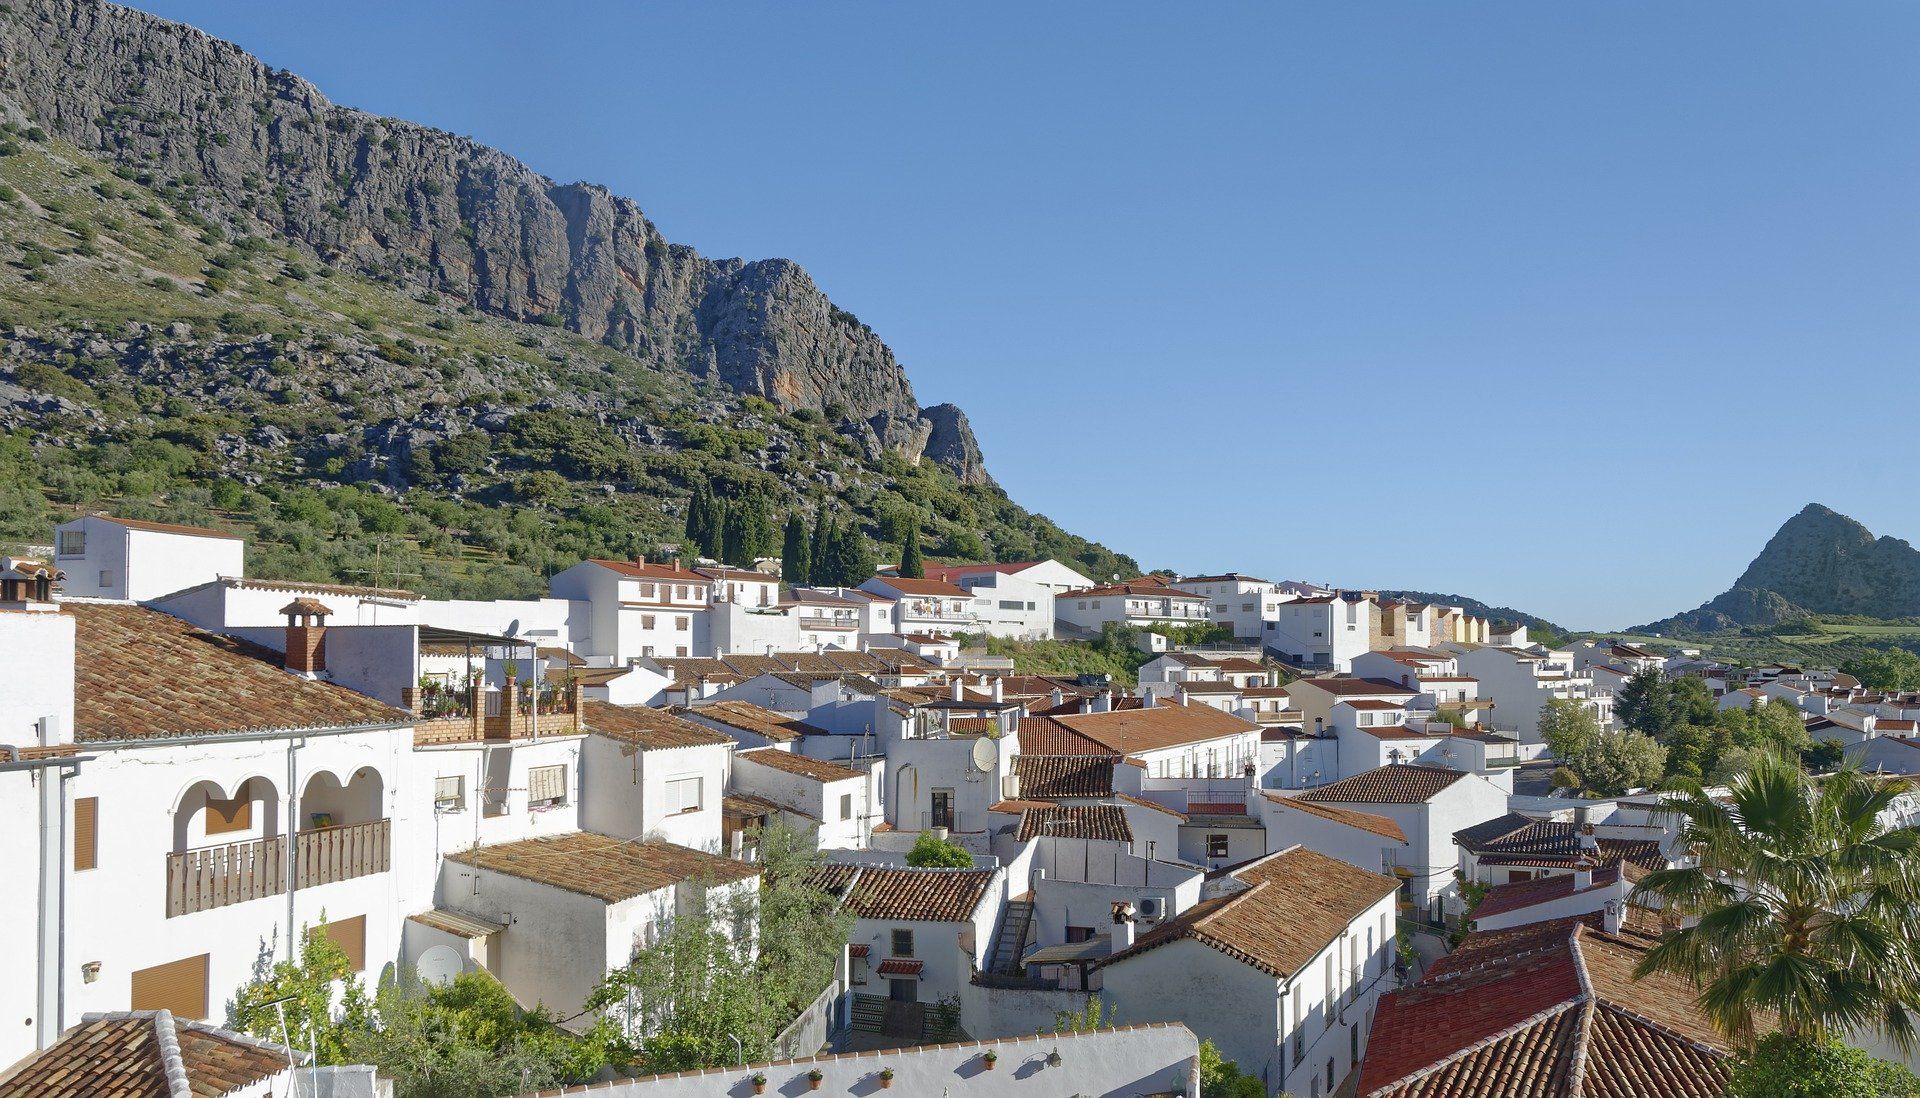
(447, 790)
(351, 936)
(224, 817)
(547, 784)
(178, 986)
(86, 832)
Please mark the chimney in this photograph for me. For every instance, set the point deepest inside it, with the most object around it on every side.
(1122, 925)
(999, 690)
(306, 636)
(959, 688)
(1058, 697)
(1252, 775)
(1614, 916)
(27, 584)
(1582, 873)
(1589, 842)
(1146, 699)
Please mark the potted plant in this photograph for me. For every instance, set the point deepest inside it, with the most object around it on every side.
(759, 1081)
(886, 1078)
(991, 1057)
(814, 1079)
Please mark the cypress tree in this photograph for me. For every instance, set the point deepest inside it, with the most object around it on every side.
(852, 557)
(794, 557)
(699, 511)
(733, 536)
(715, 542)
(911, 566)
(819, 571)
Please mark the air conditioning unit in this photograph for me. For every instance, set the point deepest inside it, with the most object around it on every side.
(1148, 908)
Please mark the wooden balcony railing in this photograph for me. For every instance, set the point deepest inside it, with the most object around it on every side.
(216, 876)
(324, 855)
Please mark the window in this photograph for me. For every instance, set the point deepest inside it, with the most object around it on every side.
(86, 832)
(450, 792)
(106, 577)
(73, 543)
(1079, 934)
(903, 943)
(227, 817)
(680, 650)
(683, 795)
(179, 986)
(351, 936)
(1216, 846)
(846, 806)
(942, 815)
(646, 621)
(683, 623)
(646, 650)
(1329, 1075)
(547, 785)
(1332, 991)
(1299, 1029)
(646, 590)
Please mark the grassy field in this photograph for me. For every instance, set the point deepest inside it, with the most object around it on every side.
(1819, 641)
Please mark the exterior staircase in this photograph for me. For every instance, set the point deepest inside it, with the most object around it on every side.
(1011, 945)
(869, 1013)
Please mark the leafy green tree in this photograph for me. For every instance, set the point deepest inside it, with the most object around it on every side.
(931, 853)
(469, 1037)
(795, 560)
(1780, 1066)
(311, 1021)
(1797, 905)
(1567, 727)
(850, 560)
(911, 564)
(1221, 1078)
(1885, 669)
(1097, 1013)
(1606, 763)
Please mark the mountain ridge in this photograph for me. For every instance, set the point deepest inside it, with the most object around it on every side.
(1818, 562)
(423, 207)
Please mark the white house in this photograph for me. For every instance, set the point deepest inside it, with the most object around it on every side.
(1520, 681)
(1281, 970)
(919, 934)
(1050, 574)
(115, 558)
(1245, 603)
(639, 609)
(1326, 631)
(1429, 804)
(1007, 600)
(837, 801)
(926, 605)
(1088, 610)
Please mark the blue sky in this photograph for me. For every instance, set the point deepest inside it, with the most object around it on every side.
(1562, 306)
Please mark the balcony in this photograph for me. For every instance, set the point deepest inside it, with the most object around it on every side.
(217, 876)
(818, 621)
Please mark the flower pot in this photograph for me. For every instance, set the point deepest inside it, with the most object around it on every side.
(886, 1083)
(814, 1084)
(990, 1061)
(759, 1086)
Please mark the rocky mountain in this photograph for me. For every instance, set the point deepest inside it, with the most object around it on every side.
(1818, 562)
(378, 349)
(428, 209)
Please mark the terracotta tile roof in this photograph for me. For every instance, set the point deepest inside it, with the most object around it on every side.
(131, 1054)
(168, 528)
(1299, 902)
(608, 869)
(1524, 894)
(862, 662)
(658, 572)
(1399, 783)
(1047, 736)
(1017, 806)
(1080, 821)
(1554, 843)
(1365, 821)
(142, 674)
(1551, 1010)
(907, 895)
(1129, 732)
(926, 587)
(649, 728)
(1143, 803)
(1346, 685)
(1047, 776)
(749, 717)
(794, 763)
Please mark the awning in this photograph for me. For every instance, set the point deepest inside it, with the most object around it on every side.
(859, 949)
(1071, 953)
(894, 966)
(453, 922)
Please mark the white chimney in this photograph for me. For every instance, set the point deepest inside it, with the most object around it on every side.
(1122, 925)
(1101, 702)
(1589, 843)
(999, 690)
(1146, 699)
(1058, 697)
(959, 687)
(1582, 873)
(1614, 916)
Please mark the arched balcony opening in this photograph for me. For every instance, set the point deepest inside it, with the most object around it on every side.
(344, 832)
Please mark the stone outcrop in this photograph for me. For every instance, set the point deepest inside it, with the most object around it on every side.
(259, 148)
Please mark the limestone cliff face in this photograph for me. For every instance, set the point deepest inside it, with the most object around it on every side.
(420, 207)
(1819, 562)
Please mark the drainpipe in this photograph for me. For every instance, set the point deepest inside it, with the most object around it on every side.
(50, 987)
(289, 828)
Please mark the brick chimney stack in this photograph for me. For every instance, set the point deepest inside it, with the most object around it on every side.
(306, 636)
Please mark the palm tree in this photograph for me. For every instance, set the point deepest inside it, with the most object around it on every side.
(1800, 898)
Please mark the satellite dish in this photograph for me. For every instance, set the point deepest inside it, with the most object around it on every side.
(986, 753)
(440, 964)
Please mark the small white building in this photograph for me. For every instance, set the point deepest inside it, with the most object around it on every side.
(926, 605)
(919, 934)
(836, 800)
(1321, 632)
(1245, 603)
(1281, 970)
(1089, 610)
(639, 609)
(134, 560)
(1005, 603)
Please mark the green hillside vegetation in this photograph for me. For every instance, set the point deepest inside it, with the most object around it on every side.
(160, 367)
(1819, 641)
